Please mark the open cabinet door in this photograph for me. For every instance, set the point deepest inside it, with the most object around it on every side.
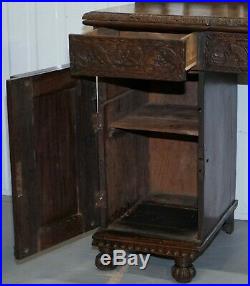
(54, 159)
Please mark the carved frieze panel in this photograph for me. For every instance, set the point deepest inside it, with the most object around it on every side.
(224, 52)
(132, 58)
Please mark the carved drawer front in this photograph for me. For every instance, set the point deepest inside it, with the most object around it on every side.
(223, 52)
(143, 55)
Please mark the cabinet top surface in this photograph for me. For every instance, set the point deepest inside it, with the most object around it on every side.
(194, 16)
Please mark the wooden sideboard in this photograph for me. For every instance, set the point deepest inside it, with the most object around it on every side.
(137, 138)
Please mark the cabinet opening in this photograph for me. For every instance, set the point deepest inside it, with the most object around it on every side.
(151, 157)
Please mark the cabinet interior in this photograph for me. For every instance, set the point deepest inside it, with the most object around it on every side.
(151, 157)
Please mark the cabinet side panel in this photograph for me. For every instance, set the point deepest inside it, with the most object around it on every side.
(217, 147)
(125, 153)
(88, 155)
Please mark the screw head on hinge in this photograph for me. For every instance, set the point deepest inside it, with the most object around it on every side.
(26, 250)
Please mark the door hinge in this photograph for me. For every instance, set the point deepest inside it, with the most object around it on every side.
(19, 180)
(100, 200)
(97, 122)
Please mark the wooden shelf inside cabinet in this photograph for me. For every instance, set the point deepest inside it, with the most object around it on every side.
(174, 119)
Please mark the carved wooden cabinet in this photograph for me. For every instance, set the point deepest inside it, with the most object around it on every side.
(137, 138)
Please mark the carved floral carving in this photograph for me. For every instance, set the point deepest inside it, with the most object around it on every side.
(226, 52)
(135, 58)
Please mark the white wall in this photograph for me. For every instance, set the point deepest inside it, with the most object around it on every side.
(35, 36)
(242, 153)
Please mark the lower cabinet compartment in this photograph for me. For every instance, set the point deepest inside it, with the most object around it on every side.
(151, 181)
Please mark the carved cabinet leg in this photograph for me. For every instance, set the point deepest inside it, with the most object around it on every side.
(228, 226)
(183, 271)
(99, 263)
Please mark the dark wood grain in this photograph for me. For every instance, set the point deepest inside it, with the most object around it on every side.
(52, 152)
(25, 202)
(173, 17)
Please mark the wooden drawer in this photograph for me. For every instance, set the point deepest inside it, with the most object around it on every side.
(143, 55)
(157, 56)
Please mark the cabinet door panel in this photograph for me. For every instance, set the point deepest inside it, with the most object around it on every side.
(54, 161)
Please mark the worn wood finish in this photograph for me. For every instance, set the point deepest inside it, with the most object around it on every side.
(50, 158)
(217, 148)
(132, 55)
(194, 16)
(20, 127)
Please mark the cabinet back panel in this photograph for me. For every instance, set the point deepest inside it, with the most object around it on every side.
(173, 166)
(181, 93)
(126, 172)
(125, 154)
(114, 87)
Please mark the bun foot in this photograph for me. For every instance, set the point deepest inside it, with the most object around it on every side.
(104, 266)
(228, 226)
(183, 271)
